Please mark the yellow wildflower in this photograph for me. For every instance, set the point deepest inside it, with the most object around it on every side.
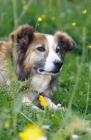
(43, 102)
(89, 46)
(52, 115)
(31, 132)
(41, 98)
(6, 125)
(84, 11)
(43, 16)
(73, 24)
(39, 19)
(53, 18)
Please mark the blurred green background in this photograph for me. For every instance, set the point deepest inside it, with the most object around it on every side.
(74, 83)
(56, 14)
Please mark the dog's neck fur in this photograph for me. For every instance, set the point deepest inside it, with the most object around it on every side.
(41, 82)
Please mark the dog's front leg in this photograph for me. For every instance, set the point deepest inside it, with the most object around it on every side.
(51, 105)
(29, 98)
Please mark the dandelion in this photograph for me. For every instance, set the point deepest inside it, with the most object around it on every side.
(39, 19)
(41, 98)
(37, 23)
(53, 18)
(84, 11)
(43, 102)
(52, 115)
(73, 24)
(89, 46)
(43, 16)
(32, 132)
(6, 125)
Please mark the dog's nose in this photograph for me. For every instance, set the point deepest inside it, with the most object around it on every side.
(58, 63)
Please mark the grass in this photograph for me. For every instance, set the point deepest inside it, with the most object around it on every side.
(74, 83)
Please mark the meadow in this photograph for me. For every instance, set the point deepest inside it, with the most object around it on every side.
(20, 122)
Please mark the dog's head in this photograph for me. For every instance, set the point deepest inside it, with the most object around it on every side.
(40, 53)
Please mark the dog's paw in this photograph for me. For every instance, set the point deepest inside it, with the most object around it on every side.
(53, 106)
(60, 107)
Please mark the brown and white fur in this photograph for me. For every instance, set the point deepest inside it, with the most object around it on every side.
(39, 57)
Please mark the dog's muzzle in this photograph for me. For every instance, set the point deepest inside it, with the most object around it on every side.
(56, 66)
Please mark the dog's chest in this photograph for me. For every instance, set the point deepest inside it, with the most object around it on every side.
(40, 82)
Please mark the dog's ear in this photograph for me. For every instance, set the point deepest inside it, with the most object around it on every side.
(23, 35)
(65, 42)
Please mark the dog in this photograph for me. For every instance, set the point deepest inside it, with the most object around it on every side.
(39, 57)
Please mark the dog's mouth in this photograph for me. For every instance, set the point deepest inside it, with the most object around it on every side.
(41, 70)
(53, 72)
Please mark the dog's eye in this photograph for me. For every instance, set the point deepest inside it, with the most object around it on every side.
(57, 50)
(41, 49)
